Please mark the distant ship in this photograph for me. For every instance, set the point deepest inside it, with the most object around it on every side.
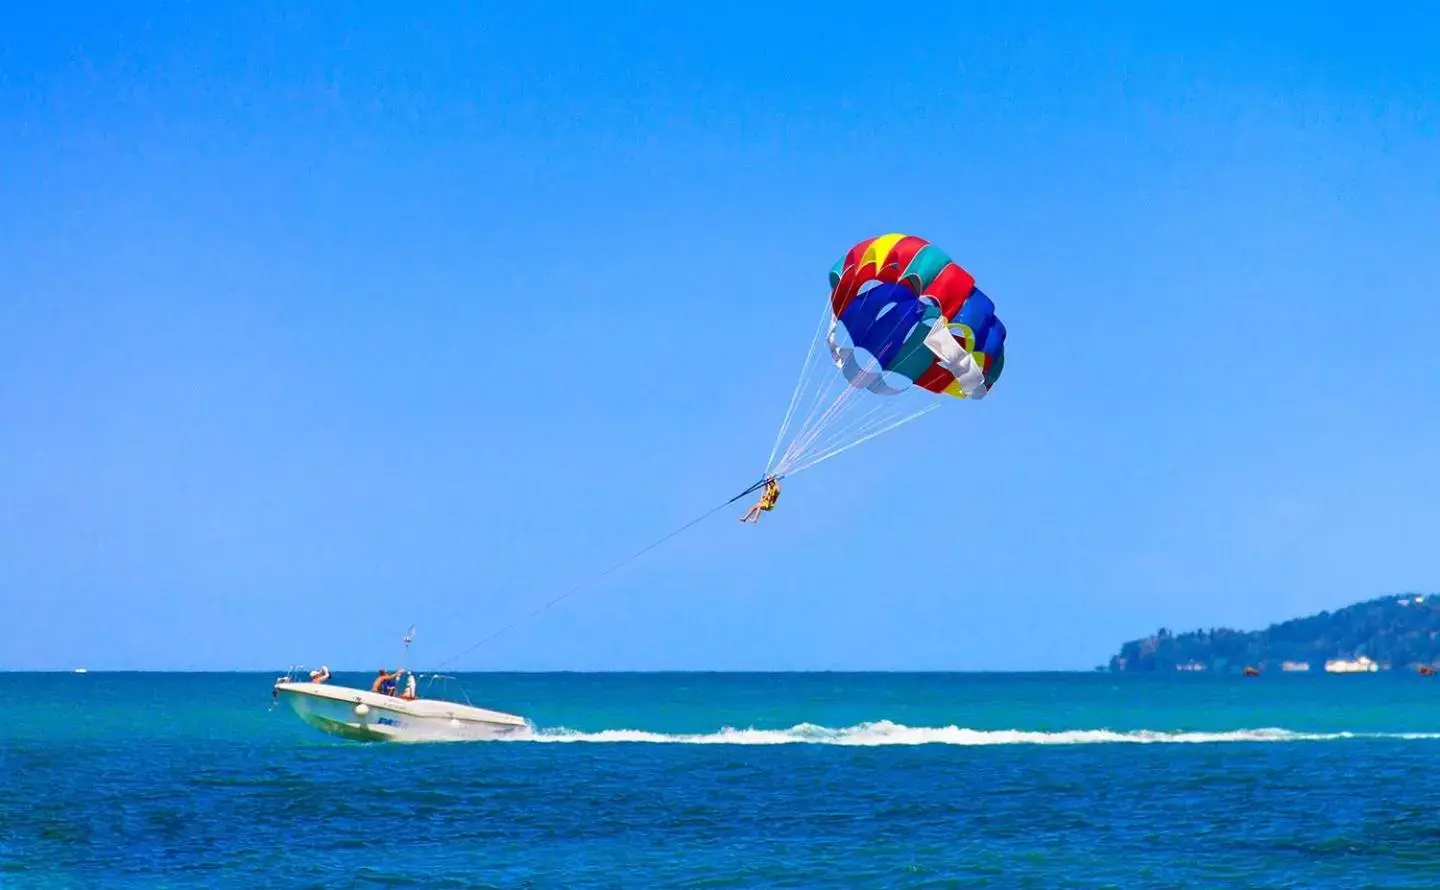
(1361, 665)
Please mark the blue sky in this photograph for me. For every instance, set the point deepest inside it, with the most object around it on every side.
(317, 322)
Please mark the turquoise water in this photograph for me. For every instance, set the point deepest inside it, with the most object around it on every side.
(725, 780)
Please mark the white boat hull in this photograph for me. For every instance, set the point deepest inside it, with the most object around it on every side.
(370, 716)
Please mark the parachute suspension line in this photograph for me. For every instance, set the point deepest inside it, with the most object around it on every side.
(800, 383)
(813, 426)
(841, 414)
(846, 433)
(818, 378)
(816, 428)
(821, 426)
(852, 427)
(611, 570)
(882, 416)
(831, 392)
(840, 449)
(849, 432)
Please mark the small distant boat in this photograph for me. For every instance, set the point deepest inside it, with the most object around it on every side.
(365, 715)
(81, 671)
(1426, 670)
(1252, 671)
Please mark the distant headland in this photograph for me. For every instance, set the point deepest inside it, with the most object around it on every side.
(1392, 632)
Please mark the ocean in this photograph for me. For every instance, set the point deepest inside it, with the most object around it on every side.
(115, 780)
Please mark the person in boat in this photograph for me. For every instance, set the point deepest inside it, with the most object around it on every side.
(409, 693)
(384, 682)
(321, 675)
(768, 497)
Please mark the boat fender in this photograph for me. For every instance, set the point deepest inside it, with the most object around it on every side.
(362, 709)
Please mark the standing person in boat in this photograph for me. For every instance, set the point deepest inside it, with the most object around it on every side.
(409, 693)
(384, 682)
(321, 675)
(768, 497)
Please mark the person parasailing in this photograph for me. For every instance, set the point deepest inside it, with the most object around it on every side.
(768, 497)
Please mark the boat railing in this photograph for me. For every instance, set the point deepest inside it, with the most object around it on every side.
(291, 672)
(445, 681)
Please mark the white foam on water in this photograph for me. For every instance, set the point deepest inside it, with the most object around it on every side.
(884, 732)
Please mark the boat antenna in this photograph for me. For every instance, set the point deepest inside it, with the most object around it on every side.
(409, 638)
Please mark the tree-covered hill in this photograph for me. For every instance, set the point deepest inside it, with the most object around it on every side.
(1394, 631)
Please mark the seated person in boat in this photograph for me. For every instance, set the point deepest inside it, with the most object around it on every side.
(321, 675)
(384, 682)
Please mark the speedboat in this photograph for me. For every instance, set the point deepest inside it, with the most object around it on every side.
(374, 716)
(366, 715)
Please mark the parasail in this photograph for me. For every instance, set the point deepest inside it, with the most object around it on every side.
(904, 324)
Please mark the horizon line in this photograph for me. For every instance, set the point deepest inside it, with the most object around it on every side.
(367, 670)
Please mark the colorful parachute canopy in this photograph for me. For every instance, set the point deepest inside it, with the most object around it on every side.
(904, 313)
(902, 320)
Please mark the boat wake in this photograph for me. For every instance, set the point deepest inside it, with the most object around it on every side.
(884, 732)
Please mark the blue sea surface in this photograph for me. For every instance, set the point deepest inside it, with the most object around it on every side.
(735, 780)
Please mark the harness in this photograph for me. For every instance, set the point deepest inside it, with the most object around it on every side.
(771, 495)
